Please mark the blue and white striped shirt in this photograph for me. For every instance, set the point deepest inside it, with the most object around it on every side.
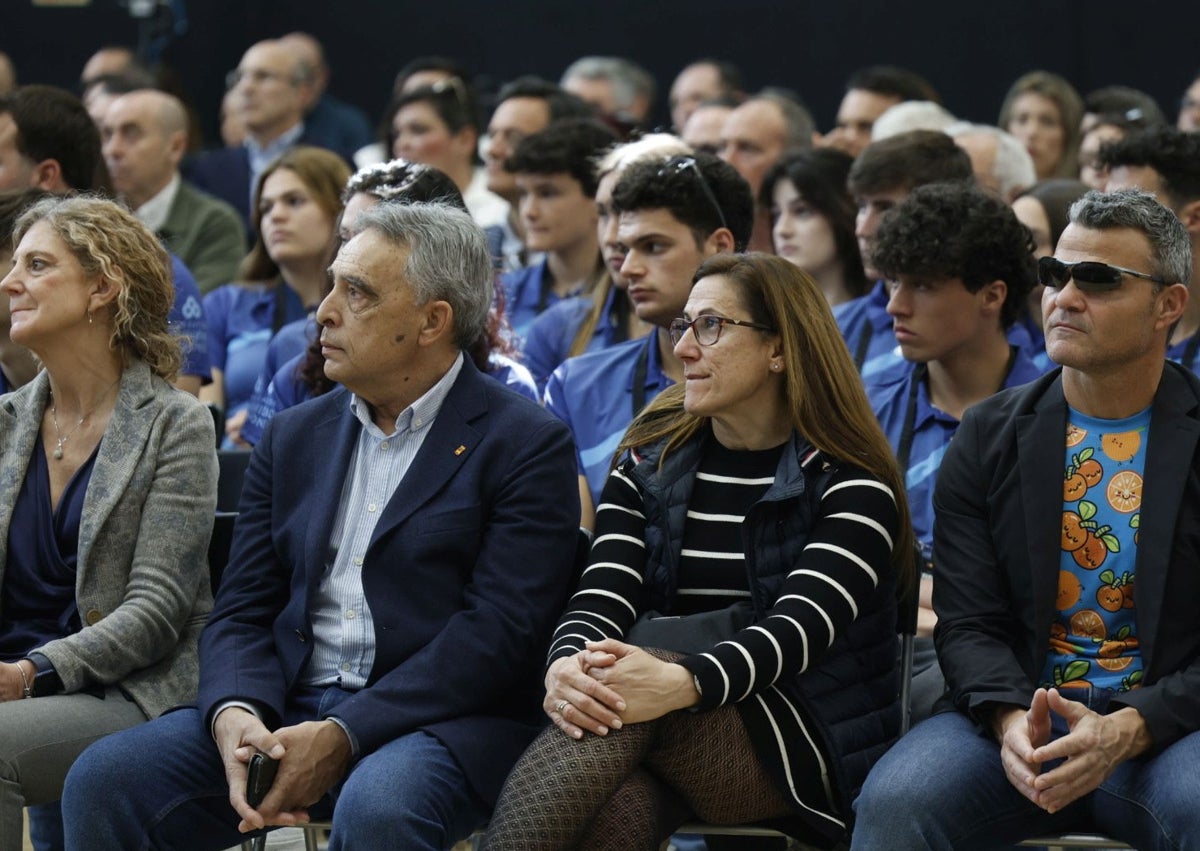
(343, 629)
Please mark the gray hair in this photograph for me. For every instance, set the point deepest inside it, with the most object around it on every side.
(1171, 249)
(911, 115)
(1013, 168)
(649, 146)
(796, 117)
(448, 260)
(629, 80)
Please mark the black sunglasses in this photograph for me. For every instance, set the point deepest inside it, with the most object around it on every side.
(1090, 276)
(678, 165)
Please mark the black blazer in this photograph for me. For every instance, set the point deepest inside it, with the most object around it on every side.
(997, 535)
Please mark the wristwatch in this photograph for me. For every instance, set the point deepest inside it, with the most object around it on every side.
(46, 681)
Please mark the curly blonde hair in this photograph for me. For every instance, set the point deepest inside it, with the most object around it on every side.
(109, 241)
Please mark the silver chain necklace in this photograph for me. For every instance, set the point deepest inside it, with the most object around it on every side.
(59, 438)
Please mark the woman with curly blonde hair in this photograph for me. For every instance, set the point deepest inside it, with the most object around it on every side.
(107, 492)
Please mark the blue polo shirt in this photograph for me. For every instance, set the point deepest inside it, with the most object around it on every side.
(524, 298)
(932, 430)
(867, 329)
(1186, 353)
(594, 395)
(552, 333)
(187, 321)
(240, 325)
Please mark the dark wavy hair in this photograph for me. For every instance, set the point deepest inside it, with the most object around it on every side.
(820, 178)
(570, 146)
(951, 230)
(1174, 154)
(678, 188)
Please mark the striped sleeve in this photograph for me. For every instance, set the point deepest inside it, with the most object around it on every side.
(611, 592)
(837, 573)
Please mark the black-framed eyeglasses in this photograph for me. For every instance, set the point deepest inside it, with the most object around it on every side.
(678, 165)
(1091, 276)
(707, 328)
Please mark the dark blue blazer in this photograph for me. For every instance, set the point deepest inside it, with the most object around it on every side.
(225, 174)
(466, 574)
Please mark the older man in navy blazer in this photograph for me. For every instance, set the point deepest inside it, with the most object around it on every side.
(404, 547)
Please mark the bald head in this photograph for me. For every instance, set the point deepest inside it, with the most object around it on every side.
(144, 137)
(107, 60)
(273, 85)
(311, 54)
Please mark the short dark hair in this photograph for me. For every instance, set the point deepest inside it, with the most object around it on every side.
(955, 230)
(909, 160)
(569, 146)
(893, 81)
(452, 99)
(52, 124)
(1174, 154)
(653, 185)
(121, 83)
(428, 63)
(1133, 106)
(819, 176)
(562, 104)
(14, 202)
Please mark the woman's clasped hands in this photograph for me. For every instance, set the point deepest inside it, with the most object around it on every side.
(609, 684)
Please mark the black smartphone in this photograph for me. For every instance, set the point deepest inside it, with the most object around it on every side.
(259, 777)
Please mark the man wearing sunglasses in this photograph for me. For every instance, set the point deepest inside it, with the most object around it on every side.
(1166, 162)
(1054, 502)
(959, 270)
(672, 216)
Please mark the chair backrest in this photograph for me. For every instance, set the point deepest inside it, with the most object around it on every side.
(218, 546)
(231, 470)
(908, 597)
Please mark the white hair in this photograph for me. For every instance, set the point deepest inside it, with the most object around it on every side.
(911, 115)
(1013, 168)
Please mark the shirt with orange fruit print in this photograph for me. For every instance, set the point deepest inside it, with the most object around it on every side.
(1093, 638)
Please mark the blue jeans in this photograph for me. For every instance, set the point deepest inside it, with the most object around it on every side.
(161, 785)
(942, 787)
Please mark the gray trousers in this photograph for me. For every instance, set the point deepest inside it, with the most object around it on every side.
(40, 739)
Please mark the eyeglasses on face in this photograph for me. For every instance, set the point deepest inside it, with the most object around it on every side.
(679, 165)
(1091, 276)
(259, 76)
(707, 328)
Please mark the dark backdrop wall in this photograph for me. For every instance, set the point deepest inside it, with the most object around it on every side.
(971, 50)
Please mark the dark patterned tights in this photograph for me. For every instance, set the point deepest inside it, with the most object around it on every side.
(630, 789)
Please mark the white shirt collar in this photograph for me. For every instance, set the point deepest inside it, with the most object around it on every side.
(154, 212)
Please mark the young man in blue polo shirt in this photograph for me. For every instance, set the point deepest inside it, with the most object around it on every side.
(1166, 162)
(556, 188)
(881, 178)
(959, 268)
(673, 214)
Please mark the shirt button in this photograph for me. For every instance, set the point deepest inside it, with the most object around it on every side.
(358, 562)
(417, 423)
(384, 446)
(371, 507)
(350, 614)
(346, 666)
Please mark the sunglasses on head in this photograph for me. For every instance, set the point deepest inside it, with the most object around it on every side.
(1090, 276)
